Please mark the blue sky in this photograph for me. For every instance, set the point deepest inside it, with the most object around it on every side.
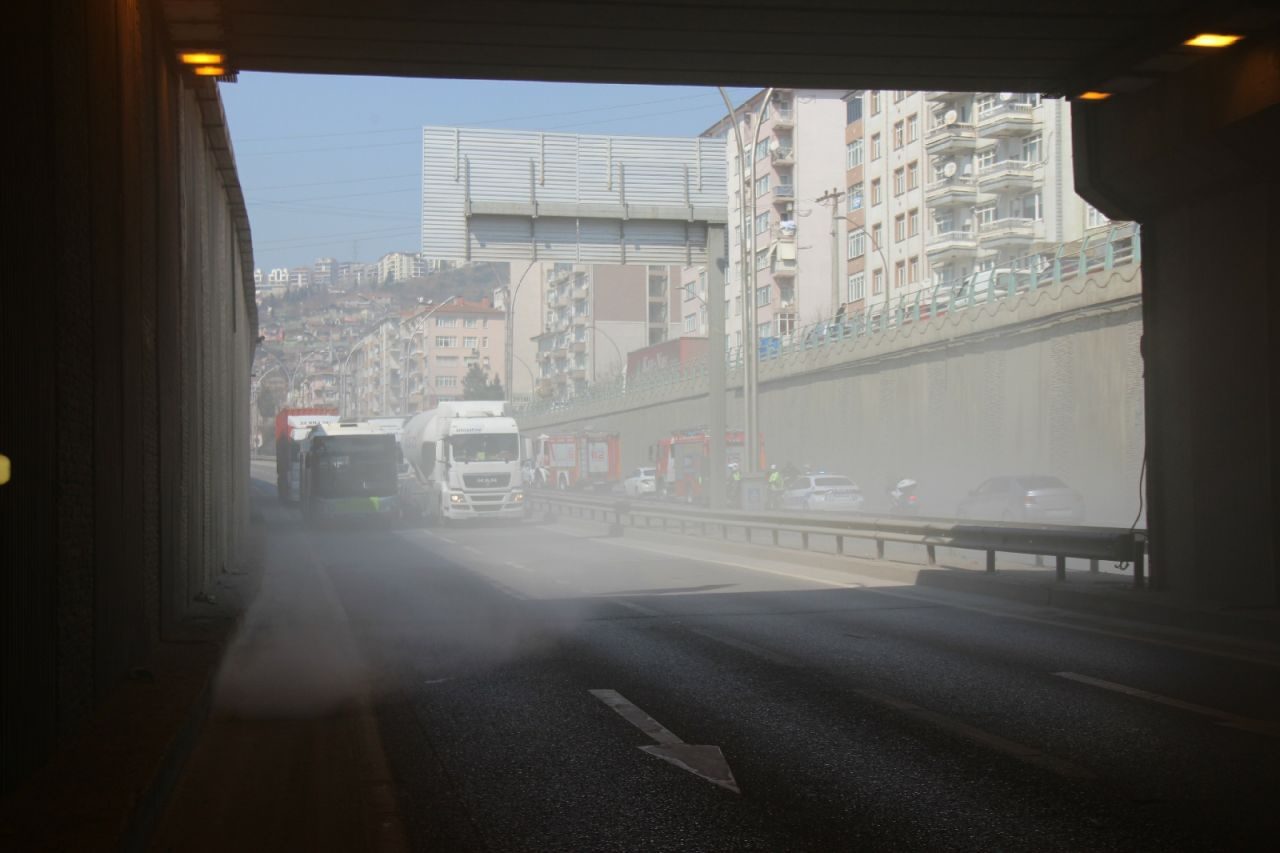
(331, 166)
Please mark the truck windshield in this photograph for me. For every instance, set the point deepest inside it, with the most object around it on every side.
(485, 448)
(348, 466)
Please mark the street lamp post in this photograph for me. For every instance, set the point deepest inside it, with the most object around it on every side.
(423, 318)
(884, 262)
(616, 349)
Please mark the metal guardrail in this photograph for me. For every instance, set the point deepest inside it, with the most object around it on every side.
(1119, 544)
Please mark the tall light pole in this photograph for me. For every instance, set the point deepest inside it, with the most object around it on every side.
(512, 293)
(422, 319)
(616, 349)
(884, 262)
(529, 370)
(344, 378)
(750, 341)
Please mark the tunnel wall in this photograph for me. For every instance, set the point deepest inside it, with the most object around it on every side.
(1195, 159)
(125, 357)
(1049, 383)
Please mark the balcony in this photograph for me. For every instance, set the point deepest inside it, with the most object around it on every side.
(1009, 232)
(784, 235)
(581, 291)
(958, 189)
(1007, 119)
(955, 138)
(783, 156)
(783, 269)
(578, 346)
(783, 117)
(1007, 176)
(578, 374)
(581, 319)
(784, 194)
(946, 246)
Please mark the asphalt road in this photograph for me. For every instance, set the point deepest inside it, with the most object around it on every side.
(517, 672)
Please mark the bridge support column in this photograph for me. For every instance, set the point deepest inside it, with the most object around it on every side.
(1194, 159)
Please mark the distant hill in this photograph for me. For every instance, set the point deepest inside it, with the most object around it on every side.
(472, 282)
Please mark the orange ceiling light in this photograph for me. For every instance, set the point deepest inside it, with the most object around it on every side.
(210, 71)
(201, 58)
(1212, 40)
(1093, 96)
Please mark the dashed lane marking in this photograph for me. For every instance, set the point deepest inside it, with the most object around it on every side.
(1022, 752)
(1265, 727)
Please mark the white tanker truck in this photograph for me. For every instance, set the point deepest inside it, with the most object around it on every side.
(464, 461)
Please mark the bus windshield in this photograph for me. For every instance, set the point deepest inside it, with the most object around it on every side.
(488, 447)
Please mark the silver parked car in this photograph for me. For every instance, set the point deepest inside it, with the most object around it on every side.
(822, 493)
(642, 482)
(1028, 497)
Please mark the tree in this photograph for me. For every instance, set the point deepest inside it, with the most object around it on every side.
(475, 385)
(496, 391)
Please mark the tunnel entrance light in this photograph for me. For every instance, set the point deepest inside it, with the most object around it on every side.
(1093, 96)
(1212, 40)
(210, 71)
(201, 58)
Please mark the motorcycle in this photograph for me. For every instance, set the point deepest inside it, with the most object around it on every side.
(903, 499)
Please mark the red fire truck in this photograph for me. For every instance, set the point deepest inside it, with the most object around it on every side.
(582, 460)
(683, 460)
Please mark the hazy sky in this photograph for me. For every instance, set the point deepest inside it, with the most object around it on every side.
(331, 166)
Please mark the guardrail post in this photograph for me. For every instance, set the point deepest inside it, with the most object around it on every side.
(775, 536)
(619, 509)
(840, 545)
(1139, 564)
(1060, 571)
(931, 554)
(746, 532)
(991, 561)
(880, 549)
(1093, 566)
(804, 541)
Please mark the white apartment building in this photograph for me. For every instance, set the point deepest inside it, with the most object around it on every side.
(398, 266)
(585, 319)
(940, 185)
(797, 155)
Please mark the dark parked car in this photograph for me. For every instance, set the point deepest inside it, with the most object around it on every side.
(1029, 497)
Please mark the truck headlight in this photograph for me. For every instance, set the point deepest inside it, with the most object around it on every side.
(455, 498)
(517, 497)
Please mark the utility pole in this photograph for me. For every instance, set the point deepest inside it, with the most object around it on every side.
(833, 197)
(716, 263)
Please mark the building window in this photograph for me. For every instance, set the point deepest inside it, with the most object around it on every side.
(987, 103)
(446, 342)
(898, 135)
(762, 296)
(857, 244)
(691, 322)
(875, 192)
(762, 185)
(877, 233)
(857, 287)
(762, 149)
(446, 322)
(762, 259)
(913, 127)
(853, 154)
(913, 175)
(877, 282)
(853, 109)
(762, 222)
(1093, 217)
(899, 274)
(470, 322)
(764, 330)
(899, 95)
(913, 222)
(913, 269)
(737, 306)
(1031, 208)
(986, 214)
(900, 227)
(446, 382)
(875, 146)
(853, 197)
(1031, 149)
(899, 181)
(985, 159)
(470, 343)
(875, 103)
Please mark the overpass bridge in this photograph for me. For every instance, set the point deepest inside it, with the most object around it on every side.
(125, 359)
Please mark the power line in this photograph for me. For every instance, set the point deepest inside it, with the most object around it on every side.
(337, 211)
(341, 235)
(343, 181)
(347, 195)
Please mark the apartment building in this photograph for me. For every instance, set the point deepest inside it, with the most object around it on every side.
(412, 360)
(940, 185)
(398, 266)
(791, 159)
(589, 316)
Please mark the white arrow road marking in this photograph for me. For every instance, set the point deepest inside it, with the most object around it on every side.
(1226, 718)
(705, 761)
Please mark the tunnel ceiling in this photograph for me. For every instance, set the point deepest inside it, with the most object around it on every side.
(1055, 46)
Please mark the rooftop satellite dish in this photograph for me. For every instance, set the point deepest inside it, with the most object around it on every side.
(949, 170)
(1006, 96)
(950, 117)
